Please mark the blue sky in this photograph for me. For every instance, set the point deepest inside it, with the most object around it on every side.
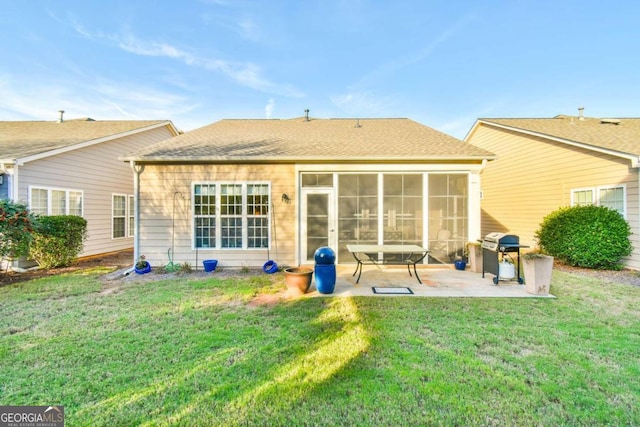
(442, 63)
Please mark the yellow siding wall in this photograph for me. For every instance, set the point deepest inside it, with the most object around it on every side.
(160, 228)
(532, 177)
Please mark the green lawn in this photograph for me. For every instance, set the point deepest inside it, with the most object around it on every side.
(195, 352)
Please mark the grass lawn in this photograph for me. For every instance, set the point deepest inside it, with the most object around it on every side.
(198, 353)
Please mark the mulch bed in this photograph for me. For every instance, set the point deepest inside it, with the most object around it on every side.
(626, 276)
(124, 259)
(117, 260)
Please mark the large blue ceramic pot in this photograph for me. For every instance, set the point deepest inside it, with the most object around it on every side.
(325, 255)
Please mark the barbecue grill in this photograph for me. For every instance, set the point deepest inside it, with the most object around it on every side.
(497, 246)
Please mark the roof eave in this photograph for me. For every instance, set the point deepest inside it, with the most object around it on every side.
(295, 159)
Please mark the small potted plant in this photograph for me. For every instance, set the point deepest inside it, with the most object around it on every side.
(537, 272)
(142, 266)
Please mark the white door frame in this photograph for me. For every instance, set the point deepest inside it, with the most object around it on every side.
(332, 224)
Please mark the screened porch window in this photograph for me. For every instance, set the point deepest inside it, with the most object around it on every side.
(360, 219)
(448, 216)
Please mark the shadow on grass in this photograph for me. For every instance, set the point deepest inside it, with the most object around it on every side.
(247, 364)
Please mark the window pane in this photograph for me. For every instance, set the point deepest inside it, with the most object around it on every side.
(317, 180)
(258, 232)
(613, 198)
(118, 228)
(231, 230)
(583, 197)
(75, 203)
(132, 209)
(205, 232)
(119, 216)
(205, 199)
(402, 209)
(448, 217)
(39, 201)
(230, 199)
(58, 202)
(357, 211)
(204, 207)
(257, 212)
(257, 199)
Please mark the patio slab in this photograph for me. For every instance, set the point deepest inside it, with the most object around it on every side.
(436, 282)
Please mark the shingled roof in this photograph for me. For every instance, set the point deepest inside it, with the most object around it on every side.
(22, 139)
(301, 139)
(616, 135)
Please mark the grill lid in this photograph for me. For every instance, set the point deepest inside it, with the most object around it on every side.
(493, 241)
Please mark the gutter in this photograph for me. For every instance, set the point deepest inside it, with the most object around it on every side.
(137, 170)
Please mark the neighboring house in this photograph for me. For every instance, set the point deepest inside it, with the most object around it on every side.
(72, 167)
(545, 164)
(246, 191)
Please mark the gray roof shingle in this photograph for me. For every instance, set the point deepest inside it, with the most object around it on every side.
(20, 139)
(623, 137)
(266, 140)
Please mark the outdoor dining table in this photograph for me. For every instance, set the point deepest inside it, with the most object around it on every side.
(408, 255)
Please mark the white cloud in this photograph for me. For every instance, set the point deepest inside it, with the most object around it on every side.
(244, 73)
(26, 99)
(361, 104)
(268, 109)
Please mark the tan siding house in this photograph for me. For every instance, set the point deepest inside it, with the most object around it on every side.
(545, 164)
(73, 167)
(248, 191)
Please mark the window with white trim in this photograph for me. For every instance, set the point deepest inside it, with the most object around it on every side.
(231, 215)
(132, 209)
(119, 216)
(613, 197)
(55, 201)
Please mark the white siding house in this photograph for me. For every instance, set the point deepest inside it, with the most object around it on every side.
(73, 167)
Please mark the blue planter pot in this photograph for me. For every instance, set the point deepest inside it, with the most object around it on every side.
(270, 267)
(144, 270)
(210, 265)
(460, 264)
(325, 278)
(324, 255)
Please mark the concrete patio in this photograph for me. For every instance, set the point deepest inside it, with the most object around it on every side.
(436, 282)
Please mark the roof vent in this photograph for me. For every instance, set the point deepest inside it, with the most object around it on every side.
(610, 121)
(60, 119)
(581, 113)
(306, 115)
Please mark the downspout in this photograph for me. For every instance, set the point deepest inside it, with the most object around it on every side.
(137, 170)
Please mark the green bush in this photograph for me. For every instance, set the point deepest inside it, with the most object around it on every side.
(58, 240)
(16, 225)
(586, 236)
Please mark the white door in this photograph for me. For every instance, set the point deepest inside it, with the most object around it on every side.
(318, 222)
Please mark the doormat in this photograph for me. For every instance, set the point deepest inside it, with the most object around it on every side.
(392, 291)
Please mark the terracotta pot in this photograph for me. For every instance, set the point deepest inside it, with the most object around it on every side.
(298, 280)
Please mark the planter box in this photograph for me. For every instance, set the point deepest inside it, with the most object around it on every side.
(475, 258)
(537, 274)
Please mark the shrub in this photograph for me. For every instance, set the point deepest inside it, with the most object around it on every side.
(16, 226)
(58, 240)
(586, 236)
